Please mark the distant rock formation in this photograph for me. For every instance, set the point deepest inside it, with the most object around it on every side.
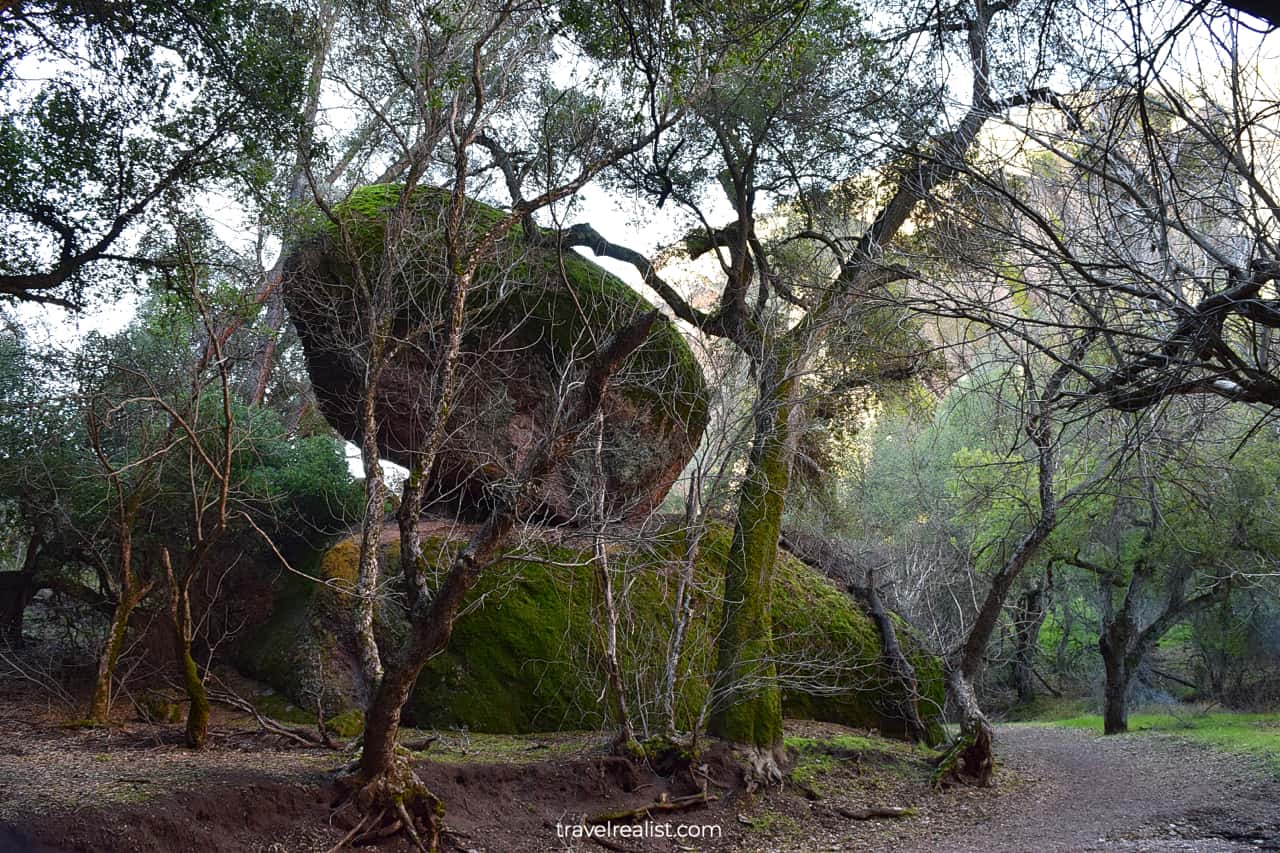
(532, 316)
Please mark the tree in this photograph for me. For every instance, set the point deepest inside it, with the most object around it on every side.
(111, 110)
(797, 121)
(1184, 526)
(1143, 207)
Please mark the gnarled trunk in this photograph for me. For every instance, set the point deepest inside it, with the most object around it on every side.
(971, 756)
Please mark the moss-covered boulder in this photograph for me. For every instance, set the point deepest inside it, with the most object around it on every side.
(525, 656)
(534, 315)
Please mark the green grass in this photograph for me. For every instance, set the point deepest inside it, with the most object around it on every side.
(1256, 735)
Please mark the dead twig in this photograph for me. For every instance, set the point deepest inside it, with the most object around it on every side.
(303, 736)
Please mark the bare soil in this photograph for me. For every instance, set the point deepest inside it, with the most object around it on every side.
(133, 787)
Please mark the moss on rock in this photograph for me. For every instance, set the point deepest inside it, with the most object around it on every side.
(525, 655)
(531, 313)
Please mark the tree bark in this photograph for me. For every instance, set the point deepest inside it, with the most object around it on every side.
(1026, 633)
(971, 757)
(904, 686)
(130, 594)
(197, 729)
(682, 609)
(747, 704)
(16, 589)
(370, 566)
(625, 742)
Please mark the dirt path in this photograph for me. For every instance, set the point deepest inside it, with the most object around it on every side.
(1067, 789)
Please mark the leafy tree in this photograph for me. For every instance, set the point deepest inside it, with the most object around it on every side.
(113, 111)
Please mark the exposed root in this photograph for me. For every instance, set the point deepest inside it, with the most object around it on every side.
(970, 759)
(762, 766)
(389, 804)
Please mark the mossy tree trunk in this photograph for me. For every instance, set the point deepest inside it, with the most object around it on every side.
(197, 729)
(747, 704)
(100, 699)
(129, 595)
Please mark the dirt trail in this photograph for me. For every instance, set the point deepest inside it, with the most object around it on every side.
(1073, 790)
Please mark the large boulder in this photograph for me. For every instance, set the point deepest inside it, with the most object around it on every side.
(534, 315)
(526, 654)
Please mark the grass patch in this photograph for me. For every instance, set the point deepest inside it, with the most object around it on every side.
(827, 764)
(1256, 735)
(772, 822)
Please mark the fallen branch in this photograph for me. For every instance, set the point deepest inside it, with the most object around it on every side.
(420, 744)
(306, 737)
(874, 812)
(1170, 677)
(663, 805)
(1047, 685)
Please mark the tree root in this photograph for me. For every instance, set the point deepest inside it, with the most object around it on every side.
(762, 766)
(970, 759)
(390, 804)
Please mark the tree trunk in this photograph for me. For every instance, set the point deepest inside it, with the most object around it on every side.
(625, 742)
(197, 731)
(126, 601)
(370, 566)
(682, 609)
(100, 700)
(747, 704)
(1026, 633)
(904, 686)
(971, 757)
(1115, 717)
(16, 589)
